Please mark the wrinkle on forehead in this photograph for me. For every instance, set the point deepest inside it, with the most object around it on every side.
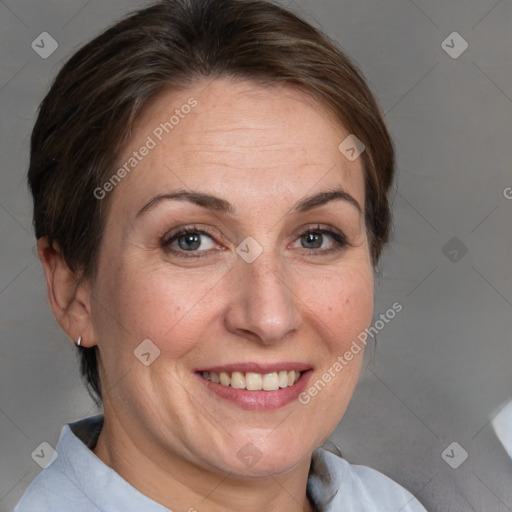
(241, 135)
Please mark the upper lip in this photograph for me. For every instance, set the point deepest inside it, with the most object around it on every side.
(257, 367)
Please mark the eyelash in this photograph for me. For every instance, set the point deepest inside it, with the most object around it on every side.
(340, 242)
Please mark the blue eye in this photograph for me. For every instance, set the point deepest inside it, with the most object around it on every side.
(189, 240)
(313, 239)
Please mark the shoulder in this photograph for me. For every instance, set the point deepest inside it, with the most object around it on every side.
(55, 488)
(335, 483)
(49, 493)
(79, 481)
(52, 490)
(379, 489)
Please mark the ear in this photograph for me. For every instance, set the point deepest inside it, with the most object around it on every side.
(69, 300)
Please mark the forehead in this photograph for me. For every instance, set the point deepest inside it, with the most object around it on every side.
(238, 138)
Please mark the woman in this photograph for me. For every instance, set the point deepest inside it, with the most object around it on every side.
(209, 183)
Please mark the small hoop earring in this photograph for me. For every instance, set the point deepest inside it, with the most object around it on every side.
(79, 342)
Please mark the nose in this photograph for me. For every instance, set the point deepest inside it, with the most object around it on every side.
(264, 305)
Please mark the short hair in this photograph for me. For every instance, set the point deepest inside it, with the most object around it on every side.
(86, 119)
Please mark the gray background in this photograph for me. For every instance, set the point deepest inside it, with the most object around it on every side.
(442, 368)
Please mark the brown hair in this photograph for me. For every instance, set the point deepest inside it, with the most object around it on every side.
(88, 115)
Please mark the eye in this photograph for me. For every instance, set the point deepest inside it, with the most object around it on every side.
(191, 240)
(315, 239)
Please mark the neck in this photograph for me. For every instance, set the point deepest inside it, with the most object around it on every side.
(179, 484)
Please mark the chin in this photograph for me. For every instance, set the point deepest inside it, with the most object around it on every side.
(250, 461)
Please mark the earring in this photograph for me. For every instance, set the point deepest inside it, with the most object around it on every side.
(79, 342)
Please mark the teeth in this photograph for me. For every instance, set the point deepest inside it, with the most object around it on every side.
(237, 380)
(271, 381)
(254, 381)
(224, 379)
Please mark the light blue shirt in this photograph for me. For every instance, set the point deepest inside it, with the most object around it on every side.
(78, 481)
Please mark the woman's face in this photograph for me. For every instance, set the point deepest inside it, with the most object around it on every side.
(266, 280)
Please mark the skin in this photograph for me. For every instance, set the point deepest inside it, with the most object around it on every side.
(262, 149)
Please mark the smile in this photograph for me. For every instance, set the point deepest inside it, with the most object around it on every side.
(254, 381)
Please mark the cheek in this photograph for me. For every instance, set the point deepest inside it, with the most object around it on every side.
(343, 304)
(169, 308)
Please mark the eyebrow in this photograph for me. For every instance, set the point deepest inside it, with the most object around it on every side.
(222, 206)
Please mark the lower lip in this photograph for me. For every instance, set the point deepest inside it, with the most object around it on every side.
(259, 400)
